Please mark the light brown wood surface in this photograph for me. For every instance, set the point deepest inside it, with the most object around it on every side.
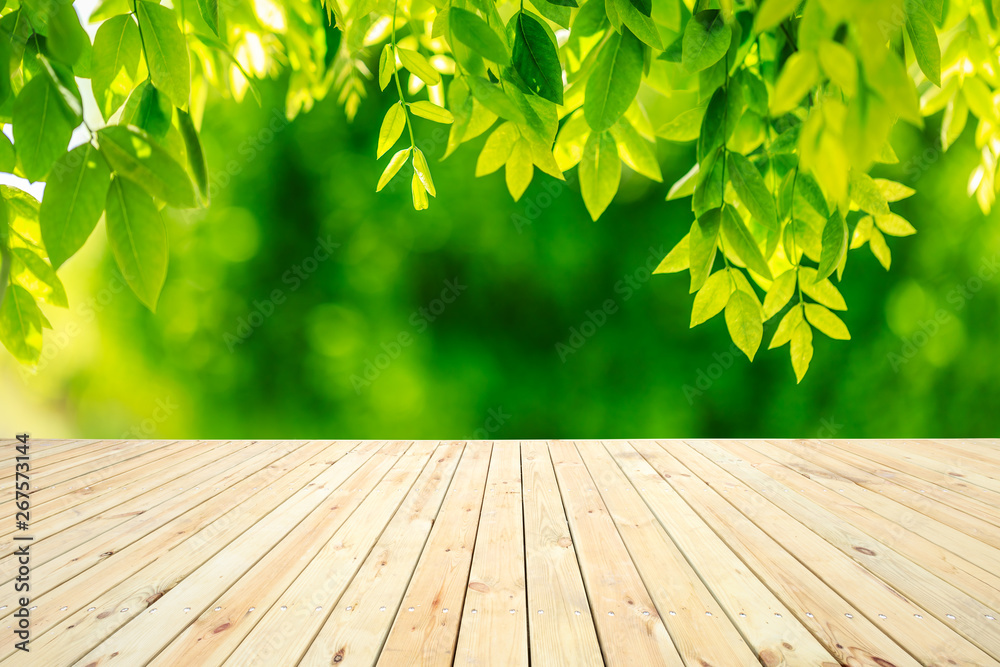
(551, 553)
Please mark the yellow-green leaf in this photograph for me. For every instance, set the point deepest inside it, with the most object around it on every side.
(712, 297)
(391, 169)
(879, 248)
(786, 327)
(386, 66)
(392, 128)
(703, 242)
(834, 245)
(826, 321)
(138, 238)
(894, 225)
(779, 293)
(801, 350)
(417, 64)
(820, 290)
(497, 149)
(772, 13)
(433, 112)
(677, 259)
(743, 319)
(21, 325)
(420, 201)
(519, 169)
(600, 172)
(797, 78)
(741, 242)
(165, 51)
(423, 171)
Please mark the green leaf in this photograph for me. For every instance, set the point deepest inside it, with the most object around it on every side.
(827, 322)
(742, 242)
(834, 245)
(866, 194)
(684, 187)
(703, 242)
(686, 126)
(923, 37)
(801, 350)
(752, 191)
(786, 328)
(635, 151)
(713, 126)
(497, 149)
(67, 38)
(138, 239)
(678, 259)
(879, 248)
(519, 169)
(423, 171)
(712, 297)
(799, 75)
(706, 40)
(211, 12)
(772, 13)
(600, 172)
(165, 51)
(476, 34)
(536, 59)
(420, 202)
(153, 113)
(41, 128)
(392, 128)
(386, 66)
(74, 200)
(894, 225)
(614, 82)
(8, 158)
(893, 191)
(743, 319)
(21, 325)
(495, 99)
(137, 157)
(195, 154)
(56, 293)
(821, 290)
(432, 111)
(391, 169)
(640, 23)
(780, 292)
(417, 64)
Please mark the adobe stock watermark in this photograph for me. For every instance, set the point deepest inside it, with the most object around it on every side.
(495, 419)
(706, 377)
(264, 308)
(595, 319)
(87, 311)
(958, 297)
(420, 320)
(536, 205)
(145, 429)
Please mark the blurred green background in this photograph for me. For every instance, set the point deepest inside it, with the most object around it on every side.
(524, 273)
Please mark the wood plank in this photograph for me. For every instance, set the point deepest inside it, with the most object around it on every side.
(251, 527)
(215, 634)
(768, 626)
(915, 536)
(113, 544)
(932, 597)
(700, 629)
(630, 630)
(943, 475)
(426, 636)
(63, 514)
(494, 625)
(287, 628)
(820, 465)
(561, 628)
(947, 452)
(932, 489)
(815, 601)
(357, 627)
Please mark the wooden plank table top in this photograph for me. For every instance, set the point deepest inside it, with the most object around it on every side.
(556, 553)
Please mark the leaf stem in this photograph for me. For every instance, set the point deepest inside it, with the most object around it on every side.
(395, 75)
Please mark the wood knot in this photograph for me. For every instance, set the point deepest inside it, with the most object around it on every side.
(338, 657)
(221, 628)
(865, 550)
(153, 598)
(565, 542)
(479, 587)
(104, 614)
(770, 658)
